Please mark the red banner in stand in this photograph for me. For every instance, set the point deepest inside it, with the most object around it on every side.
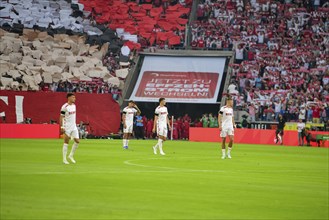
(99, 110)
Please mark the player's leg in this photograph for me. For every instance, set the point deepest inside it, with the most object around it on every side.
(230, 145)
(127, 132)
(75, 135)
(223, 136)
(163, 137)
(65, 147)
(130, 131)
(160, 142)
(280, 135)
(300, 139)
(155, 147)
(128, 137)
(124, 138)
(223, 148)
(277, 135)
(138, 133)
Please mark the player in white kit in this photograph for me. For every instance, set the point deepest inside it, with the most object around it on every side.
(128, 115)
(161, 124)
(226, 126)
(69, 128)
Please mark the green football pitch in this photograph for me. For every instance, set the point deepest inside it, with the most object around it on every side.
(190, 182)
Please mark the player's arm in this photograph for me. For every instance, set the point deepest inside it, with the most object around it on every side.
(124, 119)
(155, 122)
(220, 120)
(168, 122)
(138, 110)
(61, 120)
(233, 122)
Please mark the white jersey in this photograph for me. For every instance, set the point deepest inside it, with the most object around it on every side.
(69, 113)
(300, 126)
(162, 113)
(227, 116)
(130, 113)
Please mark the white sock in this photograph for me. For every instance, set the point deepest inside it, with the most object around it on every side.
(223, 152)
(127, 142)
(229, 150)
(124, 142)
(160, 144)
(74, 147)
(65, 151)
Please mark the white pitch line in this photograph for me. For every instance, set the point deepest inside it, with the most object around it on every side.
(129, 162)
(93, 172)
(176, 169)
(164, 169)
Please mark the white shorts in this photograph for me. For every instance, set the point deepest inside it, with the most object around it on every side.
(227, 131)
(162, 131)
(72, 133)
(128, 129)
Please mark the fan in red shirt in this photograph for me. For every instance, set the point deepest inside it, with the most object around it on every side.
(197, 123)
(316, 114)
(187, 118)
(194, 44)
(201, 43)
(149, 128)
(45, 88)
(179, 127)
(186, 128)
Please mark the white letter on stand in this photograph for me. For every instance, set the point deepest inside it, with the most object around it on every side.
(19, 109)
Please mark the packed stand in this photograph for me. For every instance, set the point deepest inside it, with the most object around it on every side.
(144, 23)
(52, 14)
(51, 19)
(37, 61)
(281, 51)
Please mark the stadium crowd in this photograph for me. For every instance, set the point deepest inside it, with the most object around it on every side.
(159, 23)
(281, 54)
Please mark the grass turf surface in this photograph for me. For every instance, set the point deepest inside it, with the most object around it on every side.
(190, 182)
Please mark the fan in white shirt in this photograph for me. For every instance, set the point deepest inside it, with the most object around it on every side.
(300, 129)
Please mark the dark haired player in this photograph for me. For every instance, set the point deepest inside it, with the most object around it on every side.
(69, 128)
(226, 126)
(128, 115)
(161, 124)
